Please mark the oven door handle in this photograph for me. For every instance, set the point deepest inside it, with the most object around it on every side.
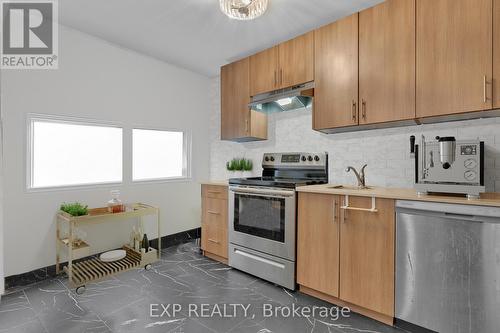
(261, 192)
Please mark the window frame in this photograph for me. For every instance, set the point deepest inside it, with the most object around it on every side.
(34, 117)
(186, 156)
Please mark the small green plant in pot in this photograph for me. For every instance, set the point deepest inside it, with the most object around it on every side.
(74, 209)
(239, 166)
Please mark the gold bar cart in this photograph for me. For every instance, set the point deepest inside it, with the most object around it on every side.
(90, 268)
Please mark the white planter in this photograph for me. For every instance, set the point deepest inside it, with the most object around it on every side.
(234, 174)
(247, 174)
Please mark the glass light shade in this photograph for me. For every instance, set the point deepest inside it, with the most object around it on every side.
(243, 9)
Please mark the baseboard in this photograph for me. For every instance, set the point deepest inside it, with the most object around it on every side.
(215, 257)
(411, 327)
(388, 320)
(44, 273)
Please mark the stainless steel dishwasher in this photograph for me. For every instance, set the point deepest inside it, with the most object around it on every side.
(448, 267)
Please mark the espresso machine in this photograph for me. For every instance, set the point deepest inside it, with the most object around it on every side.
(449, 166)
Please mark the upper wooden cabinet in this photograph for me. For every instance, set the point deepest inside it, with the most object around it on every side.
(367, 255)
(454, 56)
(264, 71)
(282, 66)
(318, 242)
(296, 60)
(496, 54)
(387, 62)
(336, 74)
(238, 122)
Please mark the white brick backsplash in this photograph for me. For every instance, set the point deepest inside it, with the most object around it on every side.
(386, 151)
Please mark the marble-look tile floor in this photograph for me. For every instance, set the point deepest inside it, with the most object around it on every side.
(123, 302)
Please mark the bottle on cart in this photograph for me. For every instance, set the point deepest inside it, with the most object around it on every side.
(145, 242)
(115, 205)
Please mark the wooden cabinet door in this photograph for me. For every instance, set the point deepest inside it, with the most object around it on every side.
(367, 255)
(214, 226)
(238, 122)
(264, 71)
(318, 242)
(336, 74)
(235, 96)
(496, 54)
(387, 62)
(454, 56)
(296, 61)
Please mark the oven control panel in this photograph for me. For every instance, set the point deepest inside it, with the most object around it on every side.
(298, 160)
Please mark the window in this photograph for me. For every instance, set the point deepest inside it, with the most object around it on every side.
(63, 152)
(159, 154)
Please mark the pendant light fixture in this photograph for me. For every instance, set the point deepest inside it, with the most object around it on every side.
(243, 9)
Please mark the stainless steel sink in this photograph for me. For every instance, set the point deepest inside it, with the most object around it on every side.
(349, 187)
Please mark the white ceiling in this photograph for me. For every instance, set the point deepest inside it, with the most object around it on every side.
(194, 34)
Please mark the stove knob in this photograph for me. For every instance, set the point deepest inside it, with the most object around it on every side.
(310, 158)
(266, 159)
(304, 158)
(272, 158)
(316, 158)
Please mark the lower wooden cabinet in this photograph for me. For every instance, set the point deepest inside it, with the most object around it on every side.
(346, 256)
(214, 222)
(318, 242)
(367, 255)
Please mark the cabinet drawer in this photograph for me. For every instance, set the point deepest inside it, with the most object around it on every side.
(214, 239)
(215, 212)
(214, 191)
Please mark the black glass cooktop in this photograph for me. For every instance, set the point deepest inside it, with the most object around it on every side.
(274, 182)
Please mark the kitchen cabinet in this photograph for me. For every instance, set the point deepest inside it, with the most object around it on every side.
(238, 121)
(387, 62)
(296, 60)
(453, 56)
(336, 74)
(367, 254)
(345, 252)
(318, 242)
(496, 54)
(264, 71)
(287, 64)
(214, 241)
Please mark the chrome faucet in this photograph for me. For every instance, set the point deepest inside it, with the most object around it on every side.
(359, 175)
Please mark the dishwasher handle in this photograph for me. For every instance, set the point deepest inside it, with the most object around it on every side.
(465, 217)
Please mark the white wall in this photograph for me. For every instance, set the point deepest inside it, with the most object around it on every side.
(386, 150)
(98, 80)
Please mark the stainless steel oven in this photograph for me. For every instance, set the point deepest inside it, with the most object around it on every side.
(264, 219)
(262, 215)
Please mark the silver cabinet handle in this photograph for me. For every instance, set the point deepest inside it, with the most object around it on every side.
(281, 76)
(213, 241)
(485, 92)
(353, 109)
(246, 125)
(275, 78)
(213, 212)
(363, 109)
(335, 205)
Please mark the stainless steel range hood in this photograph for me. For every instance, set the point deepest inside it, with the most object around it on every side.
(288, 99)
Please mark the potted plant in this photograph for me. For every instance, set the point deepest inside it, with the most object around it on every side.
(239, 167)
(247, 166)
(74, 209)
